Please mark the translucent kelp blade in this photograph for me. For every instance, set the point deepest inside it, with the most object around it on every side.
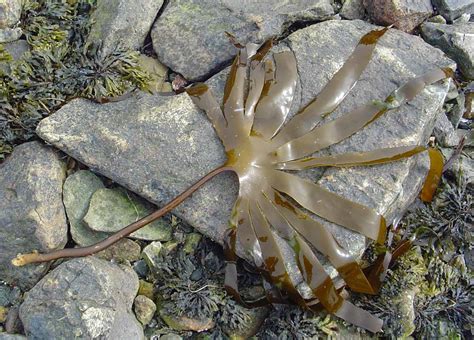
(277, 96)
(202, 96)
(273, 260)
(379, 156)
(434, 175)
(324, 289)
(322, 239)
(345, 126)
(234, 92)
(256, 81)
(231, 278)
(334, 92)
(330, 206)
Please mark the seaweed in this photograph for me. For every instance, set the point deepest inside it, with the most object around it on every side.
(262, 146)
(59, 67)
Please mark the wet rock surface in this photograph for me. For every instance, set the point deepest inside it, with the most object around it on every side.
(452, 9)
(174, 144)
(83, 298)
(31, 211)
(457, 41)
(189, 36)
(403, 14)
(122, 24)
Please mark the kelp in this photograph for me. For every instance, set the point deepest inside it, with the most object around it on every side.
(259, 145)
(262, 145)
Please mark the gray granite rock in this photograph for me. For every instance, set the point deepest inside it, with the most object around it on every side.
(31, 211)
(190, 38)
(457, 41)
(10, 12)
(444, 132)
(85, 298)
(403, 14)
(10, 34)
(175, 144)
(122, 24)
(353, 9)
(6, 336)
(77, 192)
(17, 48)
(452, 9)
(113, 209)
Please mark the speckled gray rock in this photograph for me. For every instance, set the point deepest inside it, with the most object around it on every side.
(17, 48)
(122, 24)
(77, 192)
(6, 336)
(10, 12)
(403, 14)
(176, 145)
(83, 298)
(10, 34)
(113, 209)
(452, 9)
(189, 36)
(457, 41)
(31, 211)
(144, 309)
(353, 9)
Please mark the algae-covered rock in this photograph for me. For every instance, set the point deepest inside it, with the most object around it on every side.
(151, 254)
(123, 250)
(77, 192)
(157, 72)
(185, 323)
(144, 309)
(113, 209)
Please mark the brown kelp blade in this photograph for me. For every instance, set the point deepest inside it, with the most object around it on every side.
(434, 175)
(203, 98)
(277, 96)
(319, 237)
(334, 92)
(379, 156)
(274, 262)
(329, 205)
(323, 288)
(345, 126)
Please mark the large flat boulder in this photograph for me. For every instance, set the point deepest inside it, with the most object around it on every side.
(159, 145)
(189, 36)
(32, 215)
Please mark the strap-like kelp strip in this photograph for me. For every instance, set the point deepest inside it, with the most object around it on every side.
(329, 205)
(323, 241)
(379, 156)
(345, 126)
(323, 288)
(273, 260)
(202, 96)
(434, 175)
(334, 92)
(274, 104)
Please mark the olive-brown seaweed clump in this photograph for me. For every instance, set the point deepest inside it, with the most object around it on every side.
(58, 67)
